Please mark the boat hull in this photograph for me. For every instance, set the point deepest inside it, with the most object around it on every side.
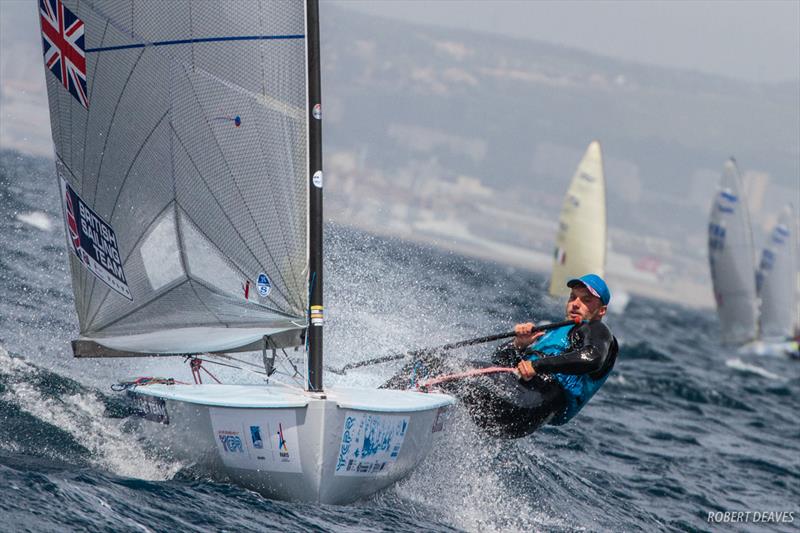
(766, 348)
(288, 444)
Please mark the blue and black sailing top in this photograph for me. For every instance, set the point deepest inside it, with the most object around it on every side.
(579, 357)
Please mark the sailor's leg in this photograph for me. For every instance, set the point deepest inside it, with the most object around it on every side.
(505, 406)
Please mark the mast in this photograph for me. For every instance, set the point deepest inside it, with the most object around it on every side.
(315, 199)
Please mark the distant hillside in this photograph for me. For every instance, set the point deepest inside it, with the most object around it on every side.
(517, 114)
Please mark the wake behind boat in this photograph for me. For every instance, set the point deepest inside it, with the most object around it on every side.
(189, 158)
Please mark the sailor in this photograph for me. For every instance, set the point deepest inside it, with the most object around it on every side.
(577, 358)
(559, 371)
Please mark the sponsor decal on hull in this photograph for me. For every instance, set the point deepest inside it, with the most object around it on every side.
(370, 443)
(257, 439)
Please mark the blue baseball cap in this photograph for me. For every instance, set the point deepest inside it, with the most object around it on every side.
(595, 284)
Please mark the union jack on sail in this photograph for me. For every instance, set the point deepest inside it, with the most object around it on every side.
(63, 44)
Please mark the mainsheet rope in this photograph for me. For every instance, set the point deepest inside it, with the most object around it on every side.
(468, 374)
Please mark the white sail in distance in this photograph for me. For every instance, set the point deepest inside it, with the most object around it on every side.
(181, 144)
(581, 238)
(777, 278)
(731, 259)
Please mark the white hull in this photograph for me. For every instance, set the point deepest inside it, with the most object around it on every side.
(290, 444)
(769, 348)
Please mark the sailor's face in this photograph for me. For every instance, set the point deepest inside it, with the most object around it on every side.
(584, 305)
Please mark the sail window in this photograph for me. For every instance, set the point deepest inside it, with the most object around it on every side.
(206, 263)
(161, 253)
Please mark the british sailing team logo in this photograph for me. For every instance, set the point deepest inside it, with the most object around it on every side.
(93, 241)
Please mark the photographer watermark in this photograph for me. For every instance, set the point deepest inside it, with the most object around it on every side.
(750, 517)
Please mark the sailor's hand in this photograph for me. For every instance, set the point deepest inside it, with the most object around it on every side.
(524, 335)
(526, 370)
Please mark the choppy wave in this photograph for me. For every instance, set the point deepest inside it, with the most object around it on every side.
(681, 429)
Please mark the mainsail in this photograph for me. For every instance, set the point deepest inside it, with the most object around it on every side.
(181, 142)
(730, 254)
(777, 277)
(581, 238)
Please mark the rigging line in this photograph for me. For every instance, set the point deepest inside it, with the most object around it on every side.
(227, 356)
(230, 366)
(296, 372)
(293, 377)
(236, 186)
(296, 388)
(103, 151)
(468, 374)
(221, 208)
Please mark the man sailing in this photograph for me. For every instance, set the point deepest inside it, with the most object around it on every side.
(559, 371)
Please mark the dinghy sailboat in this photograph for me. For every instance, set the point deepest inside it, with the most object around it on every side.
(189, 159)
(776, 283)
(581, 239)
(581, 245)
(731, 260)
(746, 325)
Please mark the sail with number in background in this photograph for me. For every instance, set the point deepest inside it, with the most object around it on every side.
(581, 239)
(777, 279)
(181, 141)
(731, 258)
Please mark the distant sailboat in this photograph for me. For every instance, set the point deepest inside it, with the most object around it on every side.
(581, 240)
(738, 287)
(776, 282)
(731, 259)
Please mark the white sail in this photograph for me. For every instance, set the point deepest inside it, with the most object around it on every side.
(777, 277)
(730, 253)
(581, 238)
(181, 144)
(185, 143)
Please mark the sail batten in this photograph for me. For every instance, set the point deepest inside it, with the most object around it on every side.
(183, 160)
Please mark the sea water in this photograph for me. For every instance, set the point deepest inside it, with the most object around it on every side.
(685, 435)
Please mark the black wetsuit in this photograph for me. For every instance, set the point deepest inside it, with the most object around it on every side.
(505, 405)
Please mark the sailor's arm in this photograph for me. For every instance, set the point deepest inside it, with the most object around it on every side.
(589, 356)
